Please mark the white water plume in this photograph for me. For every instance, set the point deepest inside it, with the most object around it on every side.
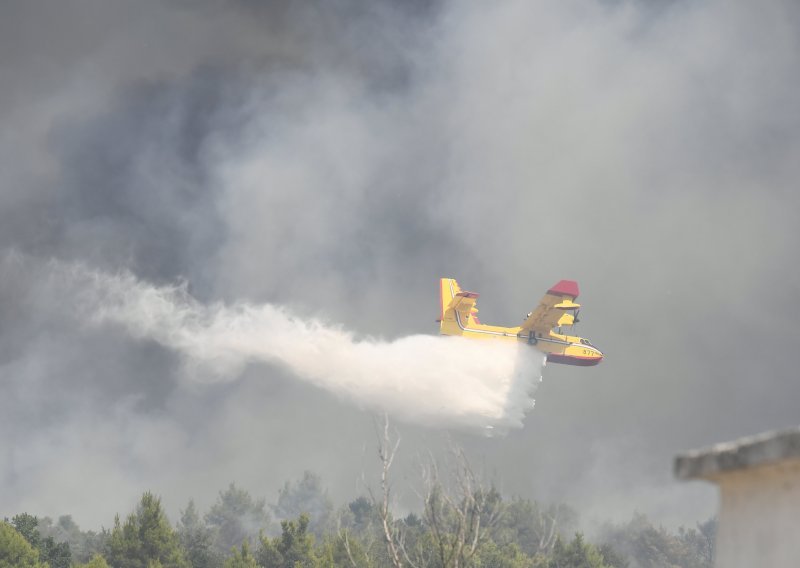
(448, 381)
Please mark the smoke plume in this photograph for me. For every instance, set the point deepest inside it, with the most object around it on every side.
(423, 379)
(337, 158)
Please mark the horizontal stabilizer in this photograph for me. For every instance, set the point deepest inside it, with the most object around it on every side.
(473, 295)
(567, 305)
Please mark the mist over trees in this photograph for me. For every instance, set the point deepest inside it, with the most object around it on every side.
(462, 523)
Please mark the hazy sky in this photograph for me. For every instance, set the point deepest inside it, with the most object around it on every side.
(339, 158)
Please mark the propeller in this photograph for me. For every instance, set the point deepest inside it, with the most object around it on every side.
(575, 319)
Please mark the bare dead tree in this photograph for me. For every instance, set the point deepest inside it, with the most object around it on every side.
(458, 510)
(393, 534)
(547, 530)
(344, 535)
(346, 540)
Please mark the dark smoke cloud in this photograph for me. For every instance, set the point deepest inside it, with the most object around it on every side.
(340, 159)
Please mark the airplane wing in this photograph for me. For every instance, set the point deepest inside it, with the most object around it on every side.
(551, 311)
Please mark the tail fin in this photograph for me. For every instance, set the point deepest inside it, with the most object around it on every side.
(448, 288)
(457, 308)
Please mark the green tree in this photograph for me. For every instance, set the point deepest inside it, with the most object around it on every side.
(197, 539)
(146, 538)
(236, 516)
(490, 555)
(28, 526)
(461, 521)
(363, 513)
(97, 561)
(360, 529)
(533, 526)
(612, 557)
(16, 551)
(55, 554)
(649, 546)
(305, 496)
(241, 558)
(577, 554)
(293, 549)
(83, 545)
(697, 546)
(346, 549)
(123, 544)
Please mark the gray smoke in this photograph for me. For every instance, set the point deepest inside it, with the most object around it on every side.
(336, 160)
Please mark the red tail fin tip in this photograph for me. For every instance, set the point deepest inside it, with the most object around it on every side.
(565, 288)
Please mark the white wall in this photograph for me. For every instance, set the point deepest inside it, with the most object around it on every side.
(759, 519)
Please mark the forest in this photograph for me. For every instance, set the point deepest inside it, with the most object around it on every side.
(240, 531)
(462, 522)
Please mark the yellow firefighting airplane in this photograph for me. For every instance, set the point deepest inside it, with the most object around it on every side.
(459, 316)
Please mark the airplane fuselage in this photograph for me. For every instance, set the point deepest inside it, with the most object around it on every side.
(559, 348)
(541, 328)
